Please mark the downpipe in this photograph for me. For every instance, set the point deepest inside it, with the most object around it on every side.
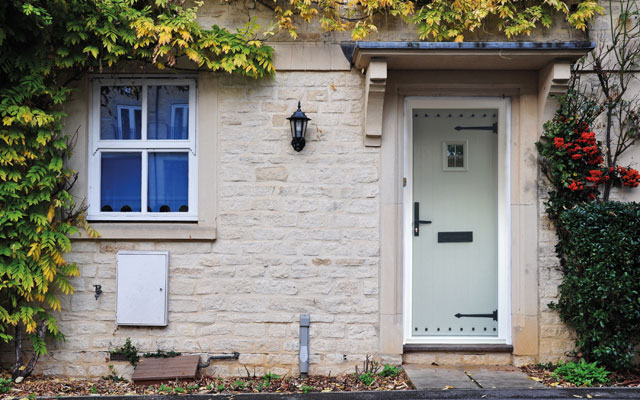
(304, 345)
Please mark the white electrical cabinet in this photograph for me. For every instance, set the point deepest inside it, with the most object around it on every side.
(141, 288)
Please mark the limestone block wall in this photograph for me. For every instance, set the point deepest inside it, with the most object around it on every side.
(296, 233)
(556, 338)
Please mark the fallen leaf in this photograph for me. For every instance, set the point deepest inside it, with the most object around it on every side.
(535, 379)
(589, 396)
(577, 397)
(447, 387)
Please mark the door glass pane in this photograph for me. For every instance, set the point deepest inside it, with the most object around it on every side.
(120, 112)
(168, 182)
(120, 182)
(168, 112)
(451, 155)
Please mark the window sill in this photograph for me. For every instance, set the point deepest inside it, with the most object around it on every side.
(150, 231)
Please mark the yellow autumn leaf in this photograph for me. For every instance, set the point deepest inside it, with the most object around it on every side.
(51, 213)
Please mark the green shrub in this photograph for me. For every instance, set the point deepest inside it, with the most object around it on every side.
(5, 385)
(307, 389)
(582, 373)
(600, 293)
(367, 378)
(389, 370)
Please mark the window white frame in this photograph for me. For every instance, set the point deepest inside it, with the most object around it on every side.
(98, 146)
(503, 105)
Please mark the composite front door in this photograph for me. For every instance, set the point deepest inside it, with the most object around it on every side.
(455, 223)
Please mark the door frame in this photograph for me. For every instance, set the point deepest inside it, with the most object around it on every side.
(503, 104)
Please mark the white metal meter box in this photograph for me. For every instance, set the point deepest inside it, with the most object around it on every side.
(142, 283)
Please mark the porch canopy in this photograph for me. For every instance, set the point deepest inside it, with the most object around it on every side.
(552, 60)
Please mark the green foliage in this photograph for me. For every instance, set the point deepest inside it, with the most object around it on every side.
(93, 390)
(438, 20)
(582, 373)
(162, 354)
(221, 387)
(179, 390)
(564, 160)
(128, 351)
(307, 389)
(389, 370)
(238, 385)
(268, 377)
(164, 388)
(5, 385)
(600, 293)
(367, 378)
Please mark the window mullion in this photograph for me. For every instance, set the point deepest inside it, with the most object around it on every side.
(143, 123)
(144, 182)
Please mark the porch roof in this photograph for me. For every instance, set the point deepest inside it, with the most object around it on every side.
(465, 55)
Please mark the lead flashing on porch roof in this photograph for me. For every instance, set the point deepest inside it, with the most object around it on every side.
(465, 55)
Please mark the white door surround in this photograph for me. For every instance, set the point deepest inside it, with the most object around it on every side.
(503, 105)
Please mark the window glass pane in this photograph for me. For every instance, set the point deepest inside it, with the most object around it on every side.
(120, 112)
(459, 156)
(168, 112)
(120, 182)
(168, 182)
(451, 156)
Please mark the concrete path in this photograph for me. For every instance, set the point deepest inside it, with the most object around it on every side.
(432, 377)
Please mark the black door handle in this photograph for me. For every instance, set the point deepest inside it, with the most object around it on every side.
(416, 219)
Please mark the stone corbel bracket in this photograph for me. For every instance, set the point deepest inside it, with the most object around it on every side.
(553, 81)
(376, 81)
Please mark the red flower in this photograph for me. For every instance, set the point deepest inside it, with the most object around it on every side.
(575, 185)
(558, 142)
(630, 178)
(596, 161)
(592, 196)
(597, 176)
(576, 156)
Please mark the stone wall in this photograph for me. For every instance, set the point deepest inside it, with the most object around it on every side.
(297, 233)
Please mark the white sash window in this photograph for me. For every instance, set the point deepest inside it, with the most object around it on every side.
(142, 150)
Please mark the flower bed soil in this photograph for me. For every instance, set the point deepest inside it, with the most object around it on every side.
(544, 375)
(50, 386)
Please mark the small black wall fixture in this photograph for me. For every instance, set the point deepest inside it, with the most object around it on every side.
(98, 290)
(298, 122)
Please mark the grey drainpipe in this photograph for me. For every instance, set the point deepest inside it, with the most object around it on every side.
(304, 345)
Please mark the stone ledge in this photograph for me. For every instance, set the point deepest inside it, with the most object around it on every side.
(150, 231)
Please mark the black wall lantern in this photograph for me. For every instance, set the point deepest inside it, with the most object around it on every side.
(298, 122)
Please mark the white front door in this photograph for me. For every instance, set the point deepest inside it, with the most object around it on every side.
(455, 224)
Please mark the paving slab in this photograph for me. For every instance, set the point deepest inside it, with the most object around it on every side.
(502, 378)
(429, 377)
